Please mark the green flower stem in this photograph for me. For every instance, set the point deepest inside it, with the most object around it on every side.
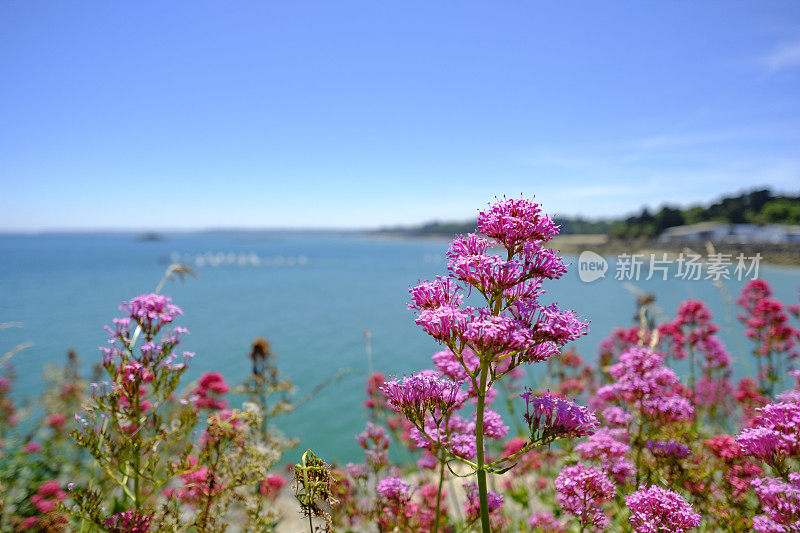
(137, 494)
(481, 468)
(439, 494)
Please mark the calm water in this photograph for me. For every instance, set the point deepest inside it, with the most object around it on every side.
(313, 301)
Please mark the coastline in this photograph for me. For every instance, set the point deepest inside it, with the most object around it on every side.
(771, 253)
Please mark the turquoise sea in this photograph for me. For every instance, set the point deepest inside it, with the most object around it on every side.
(311, 295)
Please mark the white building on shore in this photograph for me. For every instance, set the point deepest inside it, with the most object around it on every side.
(732, 233)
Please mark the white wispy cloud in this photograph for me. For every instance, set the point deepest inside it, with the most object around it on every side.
(633, 150)
(616, 180)
(691, 139)
(785, 55)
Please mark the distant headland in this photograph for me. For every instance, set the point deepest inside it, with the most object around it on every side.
(756, 221)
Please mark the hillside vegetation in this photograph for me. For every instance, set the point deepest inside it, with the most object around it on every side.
(760, 206)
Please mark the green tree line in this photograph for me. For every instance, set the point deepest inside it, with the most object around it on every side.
(759, 206)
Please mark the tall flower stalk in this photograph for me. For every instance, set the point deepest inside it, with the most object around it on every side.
(123, 425)
(139, 432)
(775, 339)
(511, 328)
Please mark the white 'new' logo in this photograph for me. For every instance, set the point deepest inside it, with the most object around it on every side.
(591, 266)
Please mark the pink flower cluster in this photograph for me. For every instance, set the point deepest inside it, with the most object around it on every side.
(606, 447)
(692, 328)
(32, 447)
(545, 522)
(434, 294)
(48, 496)
(725, 447)
(535, 333)
(375, 399)
(423, 393)
(128, 522)
(768, 325)
(7, 407)
(781, 503)
(766, 320)
(668, 449)
(655, 509)
(581, 491)
(399, 511)
(209, 389)
(198, 484)
(131, 377)
(774, 434)
(55, 421)
(151, 311)
(491, 274)
(393, 488)
(493, 425)
(524, 326)
(551, 417)
(642, 381)
(692, 333)
(130, 369)
(375, 443)
(515, 221)
(271, 487)
(617, 417)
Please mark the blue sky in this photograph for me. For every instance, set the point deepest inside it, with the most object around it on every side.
(352, 114)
